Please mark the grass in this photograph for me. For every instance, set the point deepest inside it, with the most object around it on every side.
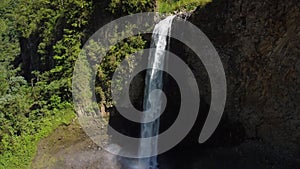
(21, 155)
(171, 6)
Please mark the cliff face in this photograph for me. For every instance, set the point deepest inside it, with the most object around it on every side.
(259, 45)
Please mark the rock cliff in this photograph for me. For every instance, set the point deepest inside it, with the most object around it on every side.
(259, 45)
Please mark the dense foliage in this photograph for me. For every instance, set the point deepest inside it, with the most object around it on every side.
(170, 6)
(40, 42)
(35, 97)
(31, 108)
(133, 6)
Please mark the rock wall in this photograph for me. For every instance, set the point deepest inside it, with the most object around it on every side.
(259, 45)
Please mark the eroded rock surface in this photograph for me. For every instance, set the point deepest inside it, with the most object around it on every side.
(259, 44)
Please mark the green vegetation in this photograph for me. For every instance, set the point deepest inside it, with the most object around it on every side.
(131, 6)
(170, 6)
(31, 107)
(40, 42)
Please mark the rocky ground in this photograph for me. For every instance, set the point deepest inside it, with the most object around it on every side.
(68, 147)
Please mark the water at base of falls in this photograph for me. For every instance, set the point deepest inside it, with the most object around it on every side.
(154, 80)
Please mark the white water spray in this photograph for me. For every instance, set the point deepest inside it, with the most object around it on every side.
(154, 80)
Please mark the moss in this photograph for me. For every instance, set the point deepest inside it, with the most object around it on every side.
(24, 147)
(170, 6)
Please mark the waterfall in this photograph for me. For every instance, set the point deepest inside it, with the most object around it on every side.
(154, 80)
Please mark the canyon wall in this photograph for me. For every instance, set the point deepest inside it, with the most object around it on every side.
(259, 45)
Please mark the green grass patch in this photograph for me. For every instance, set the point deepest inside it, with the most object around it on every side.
(24, 148)
(170, 6)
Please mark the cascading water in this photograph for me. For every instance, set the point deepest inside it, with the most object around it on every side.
(154, 80)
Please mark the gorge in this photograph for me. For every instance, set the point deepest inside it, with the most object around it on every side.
(259, 45)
